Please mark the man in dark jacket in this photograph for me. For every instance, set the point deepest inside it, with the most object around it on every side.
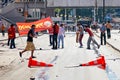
(30, 46)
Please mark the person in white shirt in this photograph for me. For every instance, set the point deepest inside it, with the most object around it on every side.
(61, 35)
(79, 34)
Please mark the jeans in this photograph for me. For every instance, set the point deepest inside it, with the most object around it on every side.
(89, 41)
(51, 39)
(12, 45)
(80, 39)
(55, 41)
(103, 35)
(60, 39)
(108, 33)
(8, 43)
(3, 33)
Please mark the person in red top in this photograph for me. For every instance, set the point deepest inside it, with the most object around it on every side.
(11, 35)
(50, 31)
(55, 35)
(91, 37)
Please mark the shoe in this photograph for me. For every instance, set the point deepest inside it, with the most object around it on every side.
(80, 46)
(98, 46)
(54, 48)
(33, 57)
(88, 48)
(20, 54)
(40, 48)
(50, 45)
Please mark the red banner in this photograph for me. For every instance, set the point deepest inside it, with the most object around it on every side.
(43, 24)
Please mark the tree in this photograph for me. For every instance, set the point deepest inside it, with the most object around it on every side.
(57, 10)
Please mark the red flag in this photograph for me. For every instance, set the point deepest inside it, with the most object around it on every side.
(43, 24)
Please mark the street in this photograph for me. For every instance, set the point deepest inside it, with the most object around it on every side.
(12, 67)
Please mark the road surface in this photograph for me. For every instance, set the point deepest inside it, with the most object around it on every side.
(71, 55)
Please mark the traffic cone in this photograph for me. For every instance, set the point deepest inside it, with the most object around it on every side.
(102, 66)
(36, 63)
(100, 62)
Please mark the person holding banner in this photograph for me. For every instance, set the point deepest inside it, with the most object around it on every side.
(30, 46)
(50, 31)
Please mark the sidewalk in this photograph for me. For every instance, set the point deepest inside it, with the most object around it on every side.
(114, 41)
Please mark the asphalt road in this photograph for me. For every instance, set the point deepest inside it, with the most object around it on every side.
(71, 55)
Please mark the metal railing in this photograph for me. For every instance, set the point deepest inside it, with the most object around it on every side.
(6, 19)
(7, 2)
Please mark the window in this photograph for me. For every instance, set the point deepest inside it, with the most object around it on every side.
(35, 13)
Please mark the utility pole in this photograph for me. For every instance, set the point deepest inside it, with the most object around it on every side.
(45, 6)
(35, 12)
(65, 15)
(96, 10)
(103, 10)
(0, 6)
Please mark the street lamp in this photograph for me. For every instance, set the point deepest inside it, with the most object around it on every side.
(35, 8)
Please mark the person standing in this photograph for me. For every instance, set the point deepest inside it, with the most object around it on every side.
(79, 34)
(108, 26)
(11, 34)
(30, 45)
(55, 35)
(50, 31)
(3, 30)
(91, 37)
(61, 35)
(103, 34)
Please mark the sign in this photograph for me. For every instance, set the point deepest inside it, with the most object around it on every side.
(43, 24)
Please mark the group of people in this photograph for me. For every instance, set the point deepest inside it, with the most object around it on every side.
(80, 32)
(105, 27)
(11, 35)
(56, 35)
